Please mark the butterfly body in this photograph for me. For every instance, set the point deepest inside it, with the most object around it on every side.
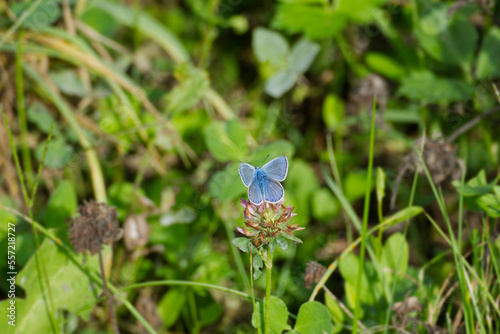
(264, 183)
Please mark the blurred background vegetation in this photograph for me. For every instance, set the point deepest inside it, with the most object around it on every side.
(152, 105)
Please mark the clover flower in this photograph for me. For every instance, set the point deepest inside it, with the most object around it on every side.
(268, 224)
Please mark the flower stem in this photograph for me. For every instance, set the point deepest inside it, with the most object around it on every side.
(257, 315)
(269, 267)
(111, 310)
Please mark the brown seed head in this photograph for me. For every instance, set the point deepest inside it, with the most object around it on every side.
(96, 225)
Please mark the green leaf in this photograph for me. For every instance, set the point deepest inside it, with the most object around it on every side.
(302, 55)
(291, 237)
(62, 205)
(278, 314)
(71, 288)
(39, 115)
(314, 21)
(242, 243)
(69, 83)
(476, 186)
(335, 310)
(170, 306)
(403, 215)
(123, 196)
(324, 205)
(426, 87)
(302, 182)
(59, 154)
(491, 203)
(280, 83)
(272, 245)
(380, 184)
(313, 318)
(226, 185)
(282, 243)
(371, 287)
(360, 11)
(270, 46)
(44, 14)
(333, 111)
(449, 41)
(385, 65)
(192, 87)
(355, 185)
(226, 140)
(395, 255)
(257, 264)
(487, 60)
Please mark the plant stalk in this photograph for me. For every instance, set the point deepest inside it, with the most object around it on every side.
(269, 268)
(111, 309)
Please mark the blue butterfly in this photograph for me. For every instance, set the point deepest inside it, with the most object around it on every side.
(264, 183)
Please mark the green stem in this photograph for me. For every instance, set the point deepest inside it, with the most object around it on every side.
(364, 228)
(269, 268)
(21, 110)
(259, 330)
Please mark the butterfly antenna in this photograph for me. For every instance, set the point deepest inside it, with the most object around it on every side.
(267, 156)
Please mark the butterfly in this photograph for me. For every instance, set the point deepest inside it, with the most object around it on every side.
(264, 183)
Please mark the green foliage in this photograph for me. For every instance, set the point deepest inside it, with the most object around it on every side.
(395, 256)
(313, 317)
(70, 285)
(279, 316)
(281, 65)
(62, 205)
(481, 195)
(193, 85)
(226, 140)
(171, 305)
(486, 67)
(153, 107)
(385, 65)
(449, 40)
(333, 111)
(426, 87)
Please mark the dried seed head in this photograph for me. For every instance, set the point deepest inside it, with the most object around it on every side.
(96, 225)
(314, 272)
(361, 95)
(439, 157)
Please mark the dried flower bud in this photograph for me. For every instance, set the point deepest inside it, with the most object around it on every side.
(96, 225)
(314, 272)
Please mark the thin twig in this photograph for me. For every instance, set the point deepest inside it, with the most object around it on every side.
(467, 126)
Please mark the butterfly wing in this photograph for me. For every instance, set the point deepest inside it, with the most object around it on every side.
(276, 168)
(273, 190)
(247, 173)
(255, 193)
